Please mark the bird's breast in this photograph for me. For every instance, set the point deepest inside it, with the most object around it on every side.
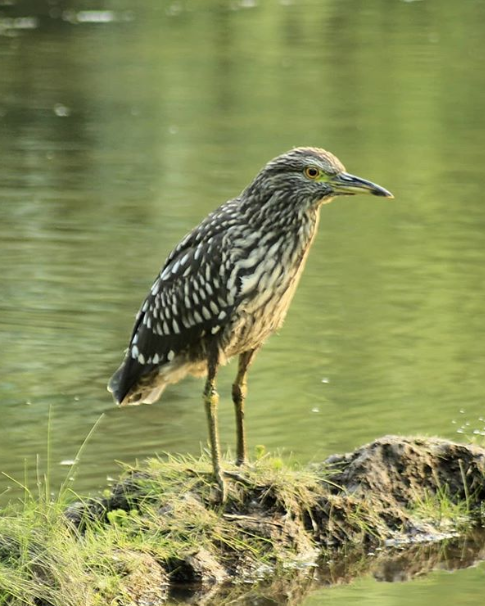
(268, 277)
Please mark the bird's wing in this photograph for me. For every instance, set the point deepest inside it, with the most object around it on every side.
(187, 299)
(193, 296)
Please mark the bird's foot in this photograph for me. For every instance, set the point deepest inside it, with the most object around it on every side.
(241, 461)
(222, 486)
(238, 477)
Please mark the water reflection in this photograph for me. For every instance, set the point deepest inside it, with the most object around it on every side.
(340, 577)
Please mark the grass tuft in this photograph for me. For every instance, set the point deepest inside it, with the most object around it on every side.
(159, 516)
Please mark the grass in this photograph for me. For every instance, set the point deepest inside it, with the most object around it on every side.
(443, 510)
(45, 560)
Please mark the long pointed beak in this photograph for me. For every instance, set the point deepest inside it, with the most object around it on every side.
(345, 184)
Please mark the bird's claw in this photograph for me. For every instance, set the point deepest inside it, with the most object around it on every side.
(239, 477)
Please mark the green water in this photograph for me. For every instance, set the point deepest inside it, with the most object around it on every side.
(120, 130)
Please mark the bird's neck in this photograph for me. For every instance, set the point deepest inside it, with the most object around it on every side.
(292, 222)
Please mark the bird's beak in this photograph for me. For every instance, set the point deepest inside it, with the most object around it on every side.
(345, 184)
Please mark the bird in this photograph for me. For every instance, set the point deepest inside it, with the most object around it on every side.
(227, 286)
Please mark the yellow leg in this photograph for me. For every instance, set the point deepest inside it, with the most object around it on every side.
(211, 400)
(239, 391)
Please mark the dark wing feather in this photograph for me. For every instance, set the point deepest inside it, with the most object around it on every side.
(190, 299)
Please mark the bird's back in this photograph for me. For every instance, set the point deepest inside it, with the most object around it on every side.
(228, 282)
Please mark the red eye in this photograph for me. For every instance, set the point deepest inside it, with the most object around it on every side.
(312, 172)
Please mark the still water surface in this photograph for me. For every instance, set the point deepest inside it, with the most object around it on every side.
(121, 129)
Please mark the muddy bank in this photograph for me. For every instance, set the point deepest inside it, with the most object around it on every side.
(396, 564)
(390, 493)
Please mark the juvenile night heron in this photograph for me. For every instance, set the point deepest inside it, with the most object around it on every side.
(228, 285)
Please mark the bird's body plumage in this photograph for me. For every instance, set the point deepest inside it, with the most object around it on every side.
(219, 284)
(228, 284)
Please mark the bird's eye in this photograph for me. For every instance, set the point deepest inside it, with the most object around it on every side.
(312, 172)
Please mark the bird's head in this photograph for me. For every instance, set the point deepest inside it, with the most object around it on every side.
(309, 176)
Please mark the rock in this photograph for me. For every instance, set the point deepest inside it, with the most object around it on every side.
(145, 582)
(277, 518)
(199, 567)
(397, 470)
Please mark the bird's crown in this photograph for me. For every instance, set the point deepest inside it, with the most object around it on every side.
(300, 158)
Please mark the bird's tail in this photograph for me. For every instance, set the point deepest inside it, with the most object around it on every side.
(114, 384)
(118, 385)
(129, 388)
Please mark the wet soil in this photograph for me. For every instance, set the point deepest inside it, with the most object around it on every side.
(388, 499)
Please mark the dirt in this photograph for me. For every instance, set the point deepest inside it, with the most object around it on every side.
(389, 477)
(370, 501)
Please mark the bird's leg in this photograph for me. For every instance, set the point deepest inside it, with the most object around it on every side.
(239, 390)
(211, 400)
